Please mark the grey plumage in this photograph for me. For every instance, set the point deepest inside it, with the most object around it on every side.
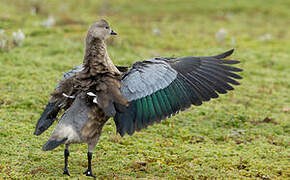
(72, 122)
(146, 78)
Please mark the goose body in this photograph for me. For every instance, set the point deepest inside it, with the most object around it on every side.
(148, 92)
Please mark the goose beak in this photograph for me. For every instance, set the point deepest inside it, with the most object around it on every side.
(113, 33)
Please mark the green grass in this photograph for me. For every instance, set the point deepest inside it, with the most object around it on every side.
(243, 134)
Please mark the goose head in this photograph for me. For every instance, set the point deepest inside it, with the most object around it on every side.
(100, 30)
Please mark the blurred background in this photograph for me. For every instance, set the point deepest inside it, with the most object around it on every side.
(244, 134)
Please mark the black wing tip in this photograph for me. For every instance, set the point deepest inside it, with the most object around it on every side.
(47, 118)
(231, 51)
(238, 70)
(43, 125)
(225, 54)
(229, 61)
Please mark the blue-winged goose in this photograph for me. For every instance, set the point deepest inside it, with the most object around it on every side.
(148, 92)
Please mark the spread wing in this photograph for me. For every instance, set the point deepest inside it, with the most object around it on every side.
(161, 87)
(56, 102)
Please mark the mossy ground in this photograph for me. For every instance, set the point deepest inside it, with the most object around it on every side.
(244, 134)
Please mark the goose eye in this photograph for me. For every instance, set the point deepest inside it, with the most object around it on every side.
(107, 27)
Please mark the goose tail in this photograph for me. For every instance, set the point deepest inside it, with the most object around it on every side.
(52, 143)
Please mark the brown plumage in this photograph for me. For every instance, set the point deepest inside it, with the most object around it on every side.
(99, 74)
(96, 120)
(147, 93)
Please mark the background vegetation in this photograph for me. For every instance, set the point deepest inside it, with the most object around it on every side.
(244, 134)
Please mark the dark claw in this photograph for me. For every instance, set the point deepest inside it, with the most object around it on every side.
(89, 173)
(66, 172)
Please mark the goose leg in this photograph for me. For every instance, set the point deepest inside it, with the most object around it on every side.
(91, 147)
(89, 170)
(66, 154)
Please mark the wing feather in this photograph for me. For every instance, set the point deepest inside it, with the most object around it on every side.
(161, 87)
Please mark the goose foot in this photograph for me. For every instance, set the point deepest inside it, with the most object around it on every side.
(89, 173)
(89, 170)
(66, 172)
